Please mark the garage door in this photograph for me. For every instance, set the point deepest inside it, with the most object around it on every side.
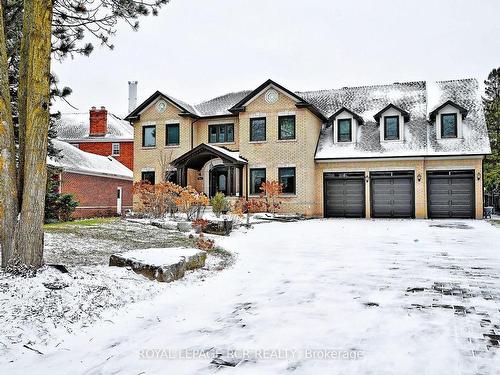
(392, 194)
(450, 194)
(344, 194)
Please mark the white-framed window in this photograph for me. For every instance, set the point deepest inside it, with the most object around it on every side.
(115, 151)
(345, 127)
(391, 125)
(449, 123)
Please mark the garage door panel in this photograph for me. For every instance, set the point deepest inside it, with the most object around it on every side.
(392, 196)
(344, 197)
(450, 196)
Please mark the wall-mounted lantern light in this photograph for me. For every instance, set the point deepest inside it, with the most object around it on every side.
(419, 177)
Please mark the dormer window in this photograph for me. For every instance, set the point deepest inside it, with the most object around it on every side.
(344, 130)
(448, 119)
(449, 125)
(345, 124)
(391, 120)
(391, 128)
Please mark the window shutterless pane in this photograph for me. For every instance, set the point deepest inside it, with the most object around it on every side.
(172, 134)
(229, 133)
(344, 130)
(213, 134)
(257, 177)
(116, 149)
(286, 127)
(286, 178)
(391, 127)
(449, 125)
(221, 133)
(258, 129)
(149, 136)
(148, 176)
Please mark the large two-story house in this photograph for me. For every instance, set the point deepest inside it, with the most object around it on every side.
(411, 149)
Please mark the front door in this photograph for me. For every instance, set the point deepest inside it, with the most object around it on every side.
(119, 200)
(218, 181)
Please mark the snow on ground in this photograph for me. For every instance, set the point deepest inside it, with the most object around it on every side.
(33, 314)
(400, 296)
(158, 256)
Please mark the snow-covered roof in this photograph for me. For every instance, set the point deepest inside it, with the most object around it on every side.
(418, 99)
(78, 161)
(232, 154)
(220, 105)
(199, 155)
(76, 127)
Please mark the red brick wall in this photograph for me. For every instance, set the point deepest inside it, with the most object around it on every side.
(105, 148)
(96, 195)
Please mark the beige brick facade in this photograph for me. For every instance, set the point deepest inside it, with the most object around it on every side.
(273, 153)
(150, 158)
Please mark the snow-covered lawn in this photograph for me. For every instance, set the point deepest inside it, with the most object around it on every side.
(403, 297)
(32, 313)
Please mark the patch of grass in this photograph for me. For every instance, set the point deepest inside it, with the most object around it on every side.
(227, 258)
(83, 223)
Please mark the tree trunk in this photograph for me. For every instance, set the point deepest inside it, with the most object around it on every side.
(8, 183)
(34, 101)
(22, 95)
(37, 27)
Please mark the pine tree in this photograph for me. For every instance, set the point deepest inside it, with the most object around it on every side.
(491, 103)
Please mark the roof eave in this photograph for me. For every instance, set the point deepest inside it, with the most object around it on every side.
(236, 110)
(135, 114)
(189, 114)
(357, 117)
(476, 154)
(268, 82)
(406, 114)
(179, 160)
(313, 109)
(463, 111)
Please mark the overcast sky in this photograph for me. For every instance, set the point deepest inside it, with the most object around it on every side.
(198, 49)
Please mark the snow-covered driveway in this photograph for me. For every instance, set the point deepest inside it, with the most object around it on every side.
(404, 297)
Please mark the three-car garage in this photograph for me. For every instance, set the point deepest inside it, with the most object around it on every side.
(448, 194)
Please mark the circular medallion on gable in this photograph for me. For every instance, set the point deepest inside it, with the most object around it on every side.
(271, 96)
(161, 106)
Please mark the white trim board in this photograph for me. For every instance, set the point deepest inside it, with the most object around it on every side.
(388, 159)
(96, 174)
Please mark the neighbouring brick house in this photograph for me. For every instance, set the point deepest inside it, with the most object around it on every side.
(101, 185)
(98, 132)
(411, 149)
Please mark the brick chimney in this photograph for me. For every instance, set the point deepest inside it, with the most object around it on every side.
(98, 122)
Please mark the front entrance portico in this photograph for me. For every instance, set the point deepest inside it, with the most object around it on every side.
(215, 168)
